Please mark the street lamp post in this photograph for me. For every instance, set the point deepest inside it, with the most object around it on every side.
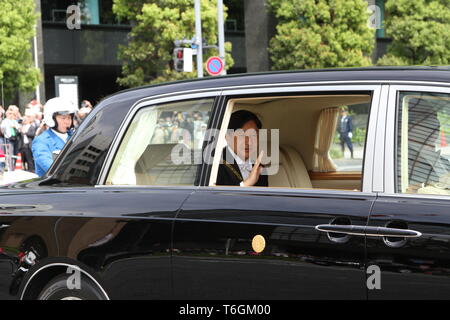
(198, 35)
(221, 32)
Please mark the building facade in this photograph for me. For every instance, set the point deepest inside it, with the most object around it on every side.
(90, 53)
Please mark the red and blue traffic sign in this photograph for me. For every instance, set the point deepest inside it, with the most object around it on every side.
(214, 66)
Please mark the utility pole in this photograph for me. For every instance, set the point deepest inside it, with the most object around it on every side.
(3, 97)
(220, 25)
(36, 65)
(199, 40)
(38, 53)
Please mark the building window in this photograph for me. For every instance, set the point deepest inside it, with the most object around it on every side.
(235, 15)
(93, 12)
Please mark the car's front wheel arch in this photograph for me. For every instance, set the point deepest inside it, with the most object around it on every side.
(35, 284)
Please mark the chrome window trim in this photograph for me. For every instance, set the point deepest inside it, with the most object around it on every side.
(63, 265)
(336, 82)
(369, 153)
(148, 102)
(377, 128)
(287, 191)
(220, 142)
(416, 196)
(127, 186)
(391, 125)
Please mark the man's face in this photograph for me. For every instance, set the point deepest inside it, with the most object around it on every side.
(245, 140)
(82, 115)
(64, 122)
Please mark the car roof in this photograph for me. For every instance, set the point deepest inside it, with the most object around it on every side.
(400, 74)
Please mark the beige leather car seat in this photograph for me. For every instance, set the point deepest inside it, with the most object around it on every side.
(155, 167)
(292, 171)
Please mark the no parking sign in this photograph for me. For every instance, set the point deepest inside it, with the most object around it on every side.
(214, 66)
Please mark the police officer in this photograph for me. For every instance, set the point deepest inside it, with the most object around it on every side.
(58, 117)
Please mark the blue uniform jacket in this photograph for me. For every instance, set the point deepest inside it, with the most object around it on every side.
(42, 147)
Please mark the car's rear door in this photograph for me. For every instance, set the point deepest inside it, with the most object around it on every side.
(151, 169)
(415, 198)
(220, 230)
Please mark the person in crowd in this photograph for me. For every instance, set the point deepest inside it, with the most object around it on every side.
(199, 136)
(81, 115)
(2, 114)
(38, 118)
(237, 168)
(35, 106)
(188, 124)
(41, 128)
(86, 104)
(15, 110)
(28, 131)
(345, 126)
(159, 135)
(58, 117)
(10, 130)
(2, 142)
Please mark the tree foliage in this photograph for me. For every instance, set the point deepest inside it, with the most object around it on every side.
(17, 29)
(147, 58)
(420, 32)
(321, 34)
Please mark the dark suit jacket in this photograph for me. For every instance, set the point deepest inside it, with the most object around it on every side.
(346, 127)
(230, 175)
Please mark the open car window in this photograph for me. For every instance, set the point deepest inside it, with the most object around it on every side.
(310, 149)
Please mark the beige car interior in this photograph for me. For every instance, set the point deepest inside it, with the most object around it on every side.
(297, 119)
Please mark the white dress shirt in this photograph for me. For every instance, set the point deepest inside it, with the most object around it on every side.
(64, 136)
(245, 167)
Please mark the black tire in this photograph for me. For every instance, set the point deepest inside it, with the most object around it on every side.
(57, 289)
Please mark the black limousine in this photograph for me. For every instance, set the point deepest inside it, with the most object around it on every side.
(131, 209)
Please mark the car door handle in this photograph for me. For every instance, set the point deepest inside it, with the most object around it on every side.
(2, 226)
(368, 231)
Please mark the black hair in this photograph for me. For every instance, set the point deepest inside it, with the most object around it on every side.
(85, 103)
(241, 117)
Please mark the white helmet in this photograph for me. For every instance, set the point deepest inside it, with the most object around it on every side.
(57, 105)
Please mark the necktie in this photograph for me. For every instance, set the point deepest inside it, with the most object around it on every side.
(247, 168)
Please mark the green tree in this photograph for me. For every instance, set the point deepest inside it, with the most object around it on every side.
(17, 29)
(321, 34)
(147, 58)
(420, 32)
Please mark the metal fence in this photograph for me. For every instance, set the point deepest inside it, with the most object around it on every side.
(7, 157)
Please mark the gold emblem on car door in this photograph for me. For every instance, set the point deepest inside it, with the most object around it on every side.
(258, 243)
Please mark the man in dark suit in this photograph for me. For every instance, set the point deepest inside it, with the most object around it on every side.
(236, 168)
(345, 131)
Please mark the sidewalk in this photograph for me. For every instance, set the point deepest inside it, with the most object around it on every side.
(347, 163)
(16, 176)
